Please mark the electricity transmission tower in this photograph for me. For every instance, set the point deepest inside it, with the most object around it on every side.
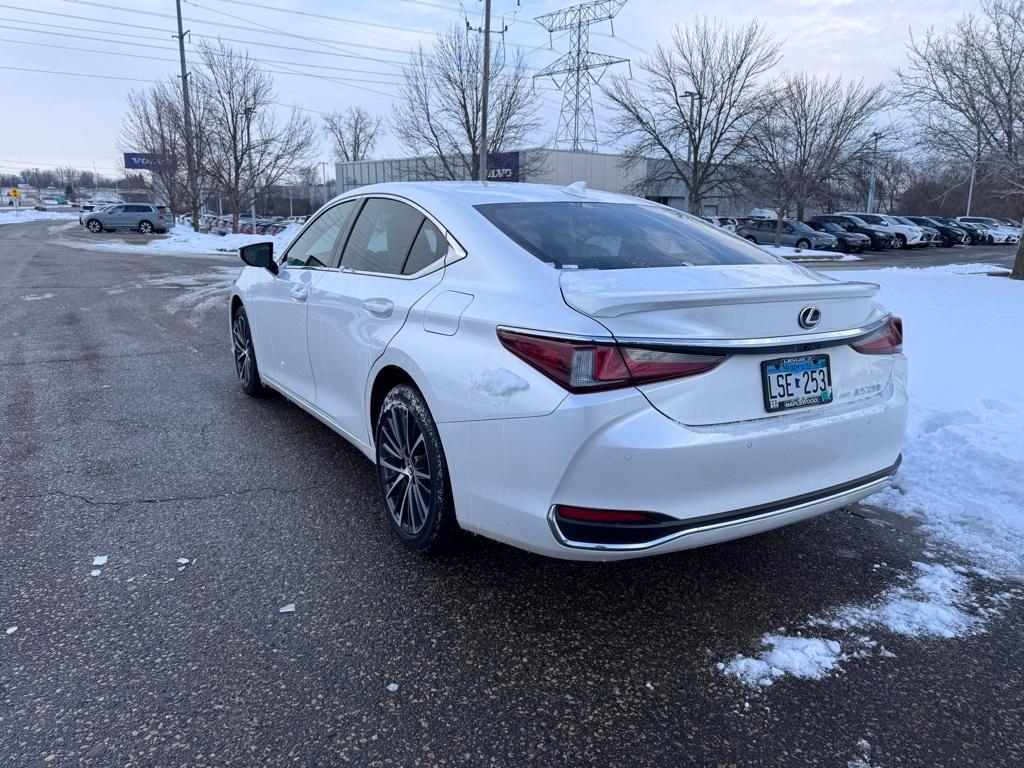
(576, 126)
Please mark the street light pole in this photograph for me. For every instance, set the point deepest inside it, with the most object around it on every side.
(874, 166)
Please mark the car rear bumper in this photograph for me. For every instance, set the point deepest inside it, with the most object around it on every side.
(614, 451)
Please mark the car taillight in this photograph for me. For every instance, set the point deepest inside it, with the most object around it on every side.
(584, 366)
(888, 340)
(589, 515)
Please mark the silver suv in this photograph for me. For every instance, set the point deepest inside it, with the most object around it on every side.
(143, 217)
(794, 233)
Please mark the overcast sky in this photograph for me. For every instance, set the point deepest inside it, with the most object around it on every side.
(56, 119)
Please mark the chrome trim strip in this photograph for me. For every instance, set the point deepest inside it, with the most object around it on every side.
(725, 346)
(853, 494)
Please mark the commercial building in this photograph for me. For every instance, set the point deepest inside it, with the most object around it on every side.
(607, 172)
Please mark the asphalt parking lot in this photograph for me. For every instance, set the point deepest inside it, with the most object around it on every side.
(124, 434)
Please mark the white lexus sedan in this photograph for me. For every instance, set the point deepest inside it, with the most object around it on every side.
(580, 374)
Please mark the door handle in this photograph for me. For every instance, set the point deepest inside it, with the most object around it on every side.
(379, 307)
(299, 293)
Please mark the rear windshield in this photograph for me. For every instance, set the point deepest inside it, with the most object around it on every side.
(582, 235)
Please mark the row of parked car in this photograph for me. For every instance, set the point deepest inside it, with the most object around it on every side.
(263, 225)
(857, 231)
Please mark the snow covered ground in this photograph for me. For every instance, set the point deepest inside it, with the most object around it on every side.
(12, 216)
(961, 477)
(182, 239)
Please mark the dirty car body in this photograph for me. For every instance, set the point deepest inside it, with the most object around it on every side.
(609, 378)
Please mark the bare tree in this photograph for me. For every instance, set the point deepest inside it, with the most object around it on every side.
(354, 133)
(247, 150)
(67, 178)
(694, 106)
(811, 130)
(966, 85)
(438, 115)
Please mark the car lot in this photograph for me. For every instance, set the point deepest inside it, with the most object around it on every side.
(126, 436)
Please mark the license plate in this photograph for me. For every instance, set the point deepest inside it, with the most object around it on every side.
(796, 382)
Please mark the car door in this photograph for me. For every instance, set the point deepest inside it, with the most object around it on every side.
(113, 217)
(393, 255)
(279, 302)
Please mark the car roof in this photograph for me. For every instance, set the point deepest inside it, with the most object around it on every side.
(468, 193)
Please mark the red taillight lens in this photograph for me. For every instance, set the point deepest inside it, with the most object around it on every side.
(587, 515)
(582, 366)
(888, 340)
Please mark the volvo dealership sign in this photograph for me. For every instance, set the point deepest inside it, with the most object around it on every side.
(146, 161)
(503, 166)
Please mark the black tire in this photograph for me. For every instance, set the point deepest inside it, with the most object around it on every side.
(805, 244)
(146, 227)
(412, 473)
(901, 241)
(947, 241)
(244, 355)
(752, 239)
(94, 226)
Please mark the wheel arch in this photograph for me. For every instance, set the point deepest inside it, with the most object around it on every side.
(386, 379)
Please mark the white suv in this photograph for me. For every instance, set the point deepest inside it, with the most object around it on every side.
(904, 234)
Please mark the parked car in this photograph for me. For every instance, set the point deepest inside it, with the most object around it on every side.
(1010, 223)
(143, 217)
(880, 238)
(849, 242)
(931, 236)
(976, 233)
(552, 367)
(795, 234)
(903, 235)
(948, 235)
(999, 233)
(725, 222)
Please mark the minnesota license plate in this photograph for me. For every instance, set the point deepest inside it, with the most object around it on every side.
(796, 382)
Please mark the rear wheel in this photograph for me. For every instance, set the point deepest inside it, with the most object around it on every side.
(94, 226)
(245, 355)
(145, 227)
(412, 472)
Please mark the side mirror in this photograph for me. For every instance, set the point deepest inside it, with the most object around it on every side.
(259, 255)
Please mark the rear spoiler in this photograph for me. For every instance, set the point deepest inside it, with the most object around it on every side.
(612, 303)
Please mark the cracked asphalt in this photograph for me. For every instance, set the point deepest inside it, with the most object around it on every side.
(123, 433)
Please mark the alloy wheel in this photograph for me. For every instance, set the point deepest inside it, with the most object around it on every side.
(242, 342)
(145, 228)
(94, 226)
(405, 470)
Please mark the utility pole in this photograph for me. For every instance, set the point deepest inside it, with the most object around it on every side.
(691, 95)
(252, 168)
(974, 173)
(323, 175)
(190, 161)
(874, 166)
(486, 89)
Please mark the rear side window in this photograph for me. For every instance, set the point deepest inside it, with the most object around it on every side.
(138, 209)
(428, 247)
(571, 235)
(382, 237)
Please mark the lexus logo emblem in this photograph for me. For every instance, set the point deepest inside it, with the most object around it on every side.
(809, 317)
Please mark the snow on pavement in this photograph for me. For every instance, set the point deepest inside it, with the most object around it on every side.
(10, 216)
(182, 239)
(963, 458)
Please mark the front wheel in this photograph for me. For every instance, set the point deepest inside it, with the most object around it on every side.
(901, 241)
(245, 355)
(94, 226)
(412, 472)
(805, 244)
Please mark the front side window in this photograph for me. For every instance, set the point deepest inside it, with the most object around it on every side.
(570, 235)
(382, 237)
(315, 246)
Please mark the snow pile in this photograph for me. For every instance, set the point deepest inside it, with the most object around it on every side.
(807, 657)
(20, 216)
(964, 450)
(182, 239)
